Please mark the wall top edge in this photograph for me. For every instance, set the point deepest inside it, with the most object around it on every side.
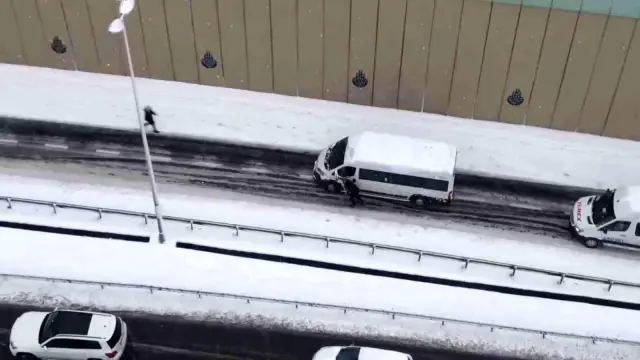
(621, 8)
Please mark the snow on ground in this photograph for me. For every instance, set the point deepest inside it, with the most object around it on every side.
(485, 148)
(166, 266)
(123, 196)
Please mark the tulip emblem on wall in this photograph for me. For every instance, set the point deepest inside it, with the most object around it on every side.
(360, 80)
(208, 61)
(515, 98)
(58, 46)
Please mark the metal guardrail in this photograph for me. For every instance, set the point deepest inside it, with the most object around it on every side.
(513, 269)
(344, 309)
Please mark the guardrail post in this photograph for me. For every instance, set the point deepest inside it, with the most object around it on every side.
(393, 316)
(466, 264)
(561, 279)
(237, 230)
(373, 249)
(442, 324)
(420, 256)
(146, 219)
(327, 241)
(491, 329)
(55, 209)
(9, 206)
(593, 340)
(544, 335)
(610, 285)
(513, 270)
(100, 214)
(191, 224)
(281, 236)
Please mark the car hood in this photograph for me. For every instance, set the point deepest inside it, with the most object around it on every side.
(24, 332)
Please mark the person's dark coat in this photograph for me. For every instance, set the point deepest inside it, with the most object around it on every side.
(148, 115)
(351, 187)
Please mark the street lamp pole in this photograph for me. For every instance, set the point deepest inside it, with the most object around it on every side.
(116, 26)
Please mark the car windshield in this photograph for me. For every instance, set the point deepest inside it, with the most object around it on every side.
(602, 210)
(47, 328)
(335, 154)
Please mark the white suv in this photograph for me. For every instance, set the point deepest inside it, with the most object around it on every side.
(68, 334)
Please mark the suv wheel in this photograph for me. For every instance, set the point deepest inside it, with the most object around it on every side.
(592, 243)
(23, 356)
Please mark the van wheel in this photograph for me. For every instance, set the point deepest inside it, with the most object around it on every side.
(592, 243)
(333, 187)
(23, 356)
(418, 200)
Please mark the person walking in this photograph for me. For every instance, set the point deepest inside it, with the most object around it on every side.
(353, 191)
(148, 118)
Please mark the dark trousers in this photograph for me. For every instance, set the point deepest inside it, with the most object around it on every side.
(355, 197)
(153, 125)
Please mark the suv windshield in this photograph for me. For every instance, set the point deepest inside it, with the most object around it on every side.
(335, 154)
(47, 328)
(603, 208)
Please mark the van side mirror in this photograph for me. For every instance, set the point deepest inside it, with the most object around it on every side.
(604, 230)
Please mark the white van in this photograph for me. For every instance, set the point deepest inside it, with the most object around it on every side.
(613, 217)
(389, 166)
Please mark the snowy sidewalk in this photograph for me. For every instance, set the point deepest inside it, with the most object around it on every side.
(485, 148)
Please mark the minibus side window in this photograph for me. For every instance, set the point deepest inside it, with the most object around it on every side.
(347, 171)
(420, 182)
(638, 229)
(372, 175)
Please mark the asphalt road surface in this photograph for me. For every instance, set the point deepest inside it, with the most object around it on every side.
(168, 338)
(496, 208)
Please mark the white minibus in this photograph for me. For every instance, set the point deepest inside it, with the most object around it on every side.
(389, 166)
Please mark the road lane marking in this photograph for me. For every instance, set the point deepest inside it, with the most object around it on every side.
(57, 146)
(160, 158)
(8, 141)
(108, 152)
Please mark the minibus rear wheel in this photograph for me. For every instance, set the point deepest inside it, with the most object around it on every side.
(592, 243)
(418, 200)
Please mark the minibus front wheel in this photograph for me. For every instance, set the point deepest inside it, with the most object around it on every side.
(334, 187)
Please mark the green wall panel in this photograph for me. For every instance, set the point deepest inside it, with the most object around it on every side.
(623, 8)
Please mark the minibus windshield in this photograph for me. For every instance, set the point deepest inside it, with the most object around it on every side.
(603, 208)
(335, 154)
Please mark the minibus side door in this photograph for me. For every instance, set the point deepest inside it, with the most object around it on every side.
(346, 172)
